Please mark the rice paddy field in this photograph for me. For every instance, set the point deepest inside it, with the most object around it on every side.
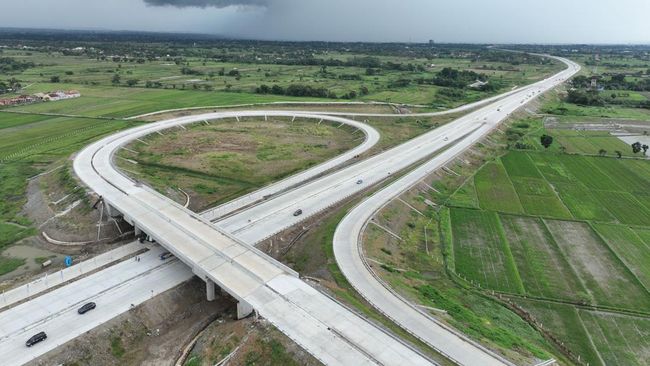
(566, 235)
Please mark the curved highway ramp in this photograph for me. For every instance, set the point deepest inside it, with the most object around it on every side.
(330, 332)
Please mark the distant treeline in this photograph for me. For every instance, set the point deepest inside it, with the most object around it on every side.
(141, 46)
(300, 90)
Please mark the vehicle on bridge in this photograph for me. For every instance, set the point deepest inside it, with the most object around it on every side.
(38, 337)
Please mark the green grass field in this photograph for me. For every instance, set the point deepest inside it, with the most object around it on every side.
(30, 144)
(118, 102)
(228, 158)
(589, 142)
(481, 250)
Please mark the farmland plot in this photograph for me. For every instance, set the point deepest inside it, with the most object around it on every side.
(565, 323)
(544, 271)
(481, 251)
(619, 339)
(630, 248)
(625, 207)
(582, 203)
(606, 279)
(495, 191)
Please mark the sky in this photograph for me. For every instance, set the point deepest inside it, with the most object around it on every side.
(473, 21)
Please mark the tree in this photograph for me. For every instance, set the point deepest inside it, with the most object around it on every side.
(546, 141)
(55, 79)
(645, 149)
(132, 82)
(618, 154)
(602, 152)
(636, 147)
(364, 90)
(116, 79)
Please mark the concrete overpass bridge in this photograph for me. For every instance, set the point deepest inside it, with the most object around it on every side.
(329, 331)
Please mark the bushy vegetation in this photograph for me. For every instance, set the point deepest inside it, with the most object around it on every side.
(457, 79)
(11, 65)
(585, 97)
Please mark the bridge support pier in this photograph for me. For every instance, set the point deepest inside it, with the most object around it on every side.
(244, 309)
(108, 208)
(210, 290)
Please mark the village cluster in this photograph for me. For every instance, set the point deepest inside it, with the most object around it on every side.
(40, 97)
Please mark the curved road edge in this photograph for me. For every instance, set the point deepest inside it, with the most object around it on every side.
(350, 259)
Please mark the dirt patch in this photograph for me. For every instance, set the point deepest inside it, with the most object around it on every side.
(57, 206)
(247, 342)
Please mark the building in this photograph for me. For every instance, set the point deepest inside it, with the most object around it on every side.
(40, 97)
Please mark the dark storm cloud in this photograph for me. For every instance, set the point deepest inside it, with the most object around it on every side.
(487, 21)
(206, 3)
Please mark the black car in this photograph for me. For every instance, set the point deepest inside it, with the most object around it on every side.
(38, 337)
(86, 308)
(165, 255)
(297, 213)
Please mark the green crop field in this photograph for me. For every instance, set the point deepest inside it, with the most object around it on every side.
(564, 322)
(481, 250)
(625, 207)
(552, 169)
(619, 339)
(465, 196)
(626, 180)
(495, 191)
(520, 165)
(644, 234)
(586, 173)
(538, 198)
(543, 269)
(589, 142)
(630, 248)
(605, 277)
(582, 202)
